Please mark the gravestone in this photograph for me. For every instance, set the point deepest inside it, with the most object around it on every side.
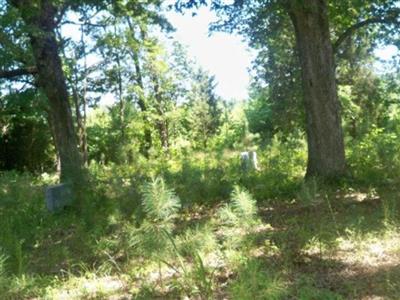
(245, 160)
(254, 160)
(58, 197)
(248, 160)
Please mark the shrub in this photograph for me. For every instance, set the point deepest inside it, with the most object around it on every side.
(374, 158)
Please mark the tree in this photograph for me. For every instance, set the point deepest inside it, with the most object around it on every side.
(326, 156)
(203, 106)
(129, 44)
(311, 20)
(275, 90)
(77, 78)
(40, 19)
(311, 24)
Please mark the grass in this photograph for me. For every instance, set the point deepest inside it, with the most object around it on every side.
(140, 238)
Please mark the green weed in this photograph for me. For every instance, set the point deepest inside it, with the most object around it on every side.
(254, 281)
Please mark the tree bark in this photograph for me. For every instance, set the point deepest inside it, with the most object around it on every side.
(40, 17)
(326, 155)
(53, 136)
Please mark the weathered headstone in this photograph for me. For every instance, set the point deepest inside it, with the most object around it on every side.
(248, 160)
(58, 197)
(254, 160)
(245, 160)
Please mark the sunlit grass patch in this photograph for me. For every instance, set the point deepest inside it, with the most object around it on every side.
(371, 250)
(255, 281)
(89, 286)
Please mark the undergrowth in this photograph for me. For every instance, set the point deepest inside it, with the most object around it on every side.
(200, 227)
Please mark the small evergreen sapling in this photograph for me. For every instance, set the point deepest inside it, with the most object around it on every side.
(160, 205)
(241, 211)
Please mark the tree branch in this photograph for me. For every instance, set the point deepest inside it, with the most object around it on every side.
(86, 23)
(4, 74)
(389, 19)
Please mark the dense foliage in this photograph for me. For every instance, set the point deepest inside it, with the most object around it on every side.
(168, 207)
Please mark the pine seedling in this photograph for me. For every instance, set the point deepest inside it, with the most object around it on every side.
(159, 202)
(243, 204)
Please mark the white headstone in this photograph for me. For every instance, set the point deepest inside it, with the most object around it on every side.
(248, 160)
(253, 159)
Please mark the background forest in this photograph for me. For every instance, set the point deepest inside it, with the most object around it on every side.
(164, 206)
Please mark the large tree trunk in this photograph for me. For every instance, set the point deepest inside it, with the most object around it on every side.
(40, 17)
(326, 157)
